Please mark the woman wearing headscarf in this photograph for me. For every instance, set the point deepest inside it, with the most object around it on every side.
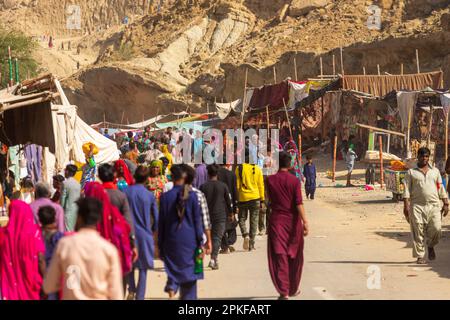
(22, 260)
(157, 180)
(90, 168)
(112, 226)
(180, 235)
(167, 154)
(291, 148)
(124, 177)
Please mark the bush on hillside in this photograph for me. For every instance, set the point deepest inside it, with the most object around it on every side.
(22, 48)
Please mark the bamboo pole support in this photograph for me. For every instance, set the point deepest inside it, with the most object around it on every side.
(342, 61)
(364, 70)
(299, 149)
(321, 67)
(295, 67)
(334, 159)
(446, 139)
(378, 69)
(417, 61)
(380, 141)
(408, 136)
(244, 98)
(334, 65)
(274, 75)
(401, 69)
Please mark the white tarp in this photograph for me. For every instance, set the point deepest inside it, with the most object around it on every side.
(71, 132)
(406, 102)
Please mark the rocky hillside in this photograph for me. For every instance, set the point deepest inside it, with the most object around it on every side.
(190, 52)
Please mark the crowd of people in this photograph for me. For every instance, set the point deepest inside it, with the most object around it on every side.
(89, 236)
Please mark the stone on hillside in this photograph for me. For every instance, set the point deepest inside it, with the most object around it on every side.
(302, 7)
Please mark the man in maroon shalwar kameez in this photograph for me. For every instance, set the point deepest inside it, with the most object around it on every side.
(286, 229)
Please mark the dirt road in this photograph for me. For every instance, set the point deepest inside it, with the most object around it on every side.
(354, 234)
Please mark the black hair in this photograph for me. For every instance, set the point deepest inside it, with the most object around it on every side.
(71, 170)
(130, 134)
(213, 170)
(177, 172)
(90, 210)
(106, 172)
(47, 215)
(285, 160)
(423, 151)
(308, 157)
(141, 174)
(27, 183)
(190, 173)
(59, 178)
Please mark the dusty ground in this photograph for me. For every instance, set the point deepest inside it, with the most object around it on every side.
(351, 230)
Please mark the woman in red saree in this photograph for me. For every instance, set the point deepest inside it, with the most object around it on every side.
(286, 229)
(123, 173)
(113, 226)
(22, 261)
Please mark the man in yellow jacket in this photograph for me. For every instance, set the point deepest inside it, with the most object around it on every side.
(250, 187)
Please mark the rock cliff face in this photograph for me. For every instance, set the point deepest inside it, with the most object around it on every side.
(189, 53)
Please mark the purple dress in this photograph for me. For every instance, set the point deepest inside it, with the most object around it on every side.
(285, 233)
(178, 241)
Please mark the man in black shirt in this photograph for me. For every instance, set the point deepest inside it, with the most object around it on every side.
(230, 236)
(220, 209)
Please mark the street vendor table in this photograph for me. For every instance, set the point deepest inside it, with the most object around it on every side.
(394, 183)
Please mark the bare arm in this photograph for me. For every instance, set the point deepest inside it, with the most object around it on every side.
(301, 212)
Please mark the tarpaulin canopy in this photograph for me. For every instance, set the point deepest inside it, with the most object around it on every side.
(383, 84)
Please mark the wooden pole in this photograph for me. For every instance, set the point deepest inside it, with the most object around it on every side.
(323, 120)
(378, 68)
(287, 117)
(299, 149)
(268, 121)
(321, 67)
(446, 139)
(244, 98)
(123, 115)
(342, 61)
(401, 69)
(334, 158)
(430, 124)
(380, 141)
(364, 70)
(408, 136)
(295, 67)
(417, 60)
(104, 120)
(275, 75)
(334, 65)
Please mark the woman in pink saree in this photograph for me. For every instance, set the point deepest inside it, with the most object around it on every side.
(22, 261)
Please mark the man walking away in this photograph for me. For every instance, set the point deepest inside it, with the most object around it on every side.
(87, 264)
(220, 209)
(230, 236)
(70, 195)
(286, 229)
(422, 205)
(250, 186)
(145, 215)
(42, 194)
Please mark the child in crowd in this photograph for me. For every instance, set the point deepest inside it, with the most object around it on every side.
(51, 235)
(310, 174)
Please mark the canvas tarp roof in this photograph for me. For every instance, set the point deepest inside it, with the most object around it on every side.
(381, 85)
(72, 132)
(34, 119)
